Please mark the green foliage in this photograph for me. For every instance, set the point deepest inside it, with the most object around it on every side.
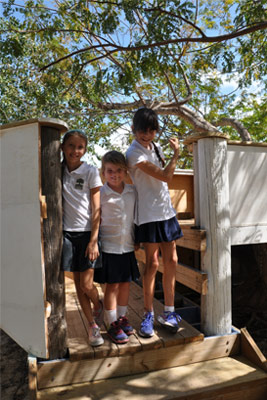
(66, 59)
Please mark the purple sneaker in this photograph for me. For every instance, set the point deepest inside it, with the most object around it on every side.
(116, 334)
(170, 321)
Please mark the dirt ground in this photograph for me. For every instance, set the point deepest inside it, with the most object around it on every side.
(14, 370)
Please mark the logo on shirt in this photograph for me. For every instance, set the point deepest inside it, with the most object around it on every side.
(79, 184)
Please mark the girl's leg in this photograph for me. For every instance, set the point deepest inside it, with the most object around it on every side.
(85, 288)
(86, 291)
(152, 251)
(84, 300)
(123, 299)
(111, 294)
(123, 294)
(169, 258)
(114, 331)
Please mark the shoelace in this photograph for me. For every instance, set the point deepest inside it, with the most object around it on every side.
(95, 331)
(147, 319)
(123, 321)
(174, 315)
(116, 326)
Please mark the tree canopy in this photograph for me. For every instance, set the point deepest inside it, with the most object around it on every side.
(93, 63)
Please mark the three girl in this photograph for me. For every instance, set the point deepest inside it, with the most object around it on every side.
(119, 266)
(157, 227)
(81, 218)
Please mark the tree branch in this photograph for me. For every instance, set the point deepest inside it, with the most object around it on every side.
(117, 48)
(237, 125)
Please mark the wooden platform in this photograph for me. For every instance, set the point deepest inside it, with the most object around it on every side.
(185, 366)
(139, 355)
(221, 379)
(79, 347)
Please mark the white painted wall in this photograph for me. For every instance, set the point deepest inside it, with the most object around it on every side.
(247, 166)
(22, 269)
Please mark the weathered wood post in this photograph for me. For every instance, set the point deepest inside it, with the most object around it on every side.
(212, 202)
(52, 240)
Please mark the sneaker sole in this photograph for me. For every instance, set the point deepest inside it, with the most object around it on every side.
(170, 328)
(129, 333)
(145, 335)
(123, 341)
(95, 344)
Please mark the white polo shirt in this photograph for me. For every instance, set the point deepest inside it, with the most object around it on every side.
(153, 198)
(117, 219)
(76, 197)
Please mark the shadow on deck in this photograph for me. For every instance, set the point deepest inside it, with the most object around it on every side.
(77, 328)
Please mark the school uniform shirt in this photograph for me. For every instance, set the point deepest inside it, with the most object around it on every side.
(153, 198)
(117, 219)
(76, 197)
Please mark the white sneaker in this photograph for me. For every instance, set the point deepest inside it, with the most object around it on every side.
(99, 314)
(95, 338)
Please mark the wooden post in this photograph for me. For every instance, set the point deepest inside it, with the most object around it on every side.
(52, 241)
(214, 217)
(196, 185)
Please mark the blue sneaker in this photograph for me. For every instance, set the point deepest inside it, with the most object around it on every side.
(116, 334)
(170, 321)
(146, 329)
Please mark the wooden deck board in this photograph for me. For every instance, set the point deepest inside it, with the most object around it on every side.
(224, 378)
(80, 349)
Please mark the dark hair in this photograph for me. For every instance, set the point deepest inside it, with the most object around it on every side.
(144, 119)
(67, 135)
(113, 157)
(75, 132)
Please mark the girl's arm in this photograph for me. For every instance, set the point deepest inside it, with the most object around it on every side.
(165, 174)
(92, 251)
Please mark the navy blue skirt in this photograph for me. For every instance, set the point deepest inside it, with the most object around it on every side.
(73, 252)
(158, 232)
(117, 268)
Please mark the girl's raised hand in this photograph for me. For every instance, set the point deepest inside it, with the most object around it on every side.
(174, 143)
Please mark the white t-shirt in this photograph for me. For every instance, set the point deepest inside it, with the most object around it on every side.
(76, 197)
(117, 219)
(153, 198)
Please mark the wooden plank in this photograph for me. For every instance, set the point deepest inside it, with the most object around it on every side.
(79, 346)
(251, 351)
(77, 337)
(186, 332)
(77, 326)
(225, 378)
(194, 239)
(136, 303)
(56, 373)
(32, 376)
(188, 276)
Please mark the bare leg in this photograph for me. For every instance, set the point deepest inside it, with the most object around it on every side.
(169, 258)
(123, 295)
(111, 294)
(151, 268)
(86, 291)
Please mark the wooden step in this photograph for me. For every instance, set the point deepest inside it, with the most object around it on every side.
(221, 379)
(163, 350)
(188, 276)
(194, 238)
